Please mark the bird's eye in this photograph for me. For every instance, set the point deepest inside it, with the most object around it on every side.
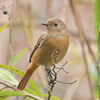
(56, 24)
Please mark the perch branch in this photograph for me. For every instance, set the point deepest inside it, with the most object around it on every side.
(52, 74)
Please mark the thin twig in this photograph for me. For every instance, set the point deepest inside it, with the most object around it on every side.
(71, 90)
(15, 16)
(65, 82)
(8, 86)
(10, 20)
(81, 31)
(24, 97)
(10, 30)
(53, 80)
(3, 88)
(10, 6)
(82, 38)
(62, 67)
(98, 64)
(27, 94)
(32, 96)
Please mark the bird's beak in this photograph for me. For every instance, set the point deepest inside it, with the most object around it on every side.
(44, 24)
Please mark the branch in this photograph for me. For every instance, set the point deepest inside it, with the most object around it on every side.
(80, 28)
(98, 64)
(52, 74)
(10, 30)
(65, 82)
(27, 94)
(82, 39)
(8, 86)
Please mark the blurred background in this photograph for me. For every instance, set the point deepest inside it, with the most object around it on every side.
(27, 28)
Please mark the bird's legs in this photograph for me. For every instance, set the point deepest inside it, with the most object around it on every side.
(50, 74)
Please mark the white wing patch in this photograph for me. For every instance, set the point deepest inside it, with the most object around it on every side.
(40, 43)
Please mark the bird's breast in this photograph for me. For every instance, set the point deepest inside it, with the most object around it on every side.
(49, 47)
(62, 48)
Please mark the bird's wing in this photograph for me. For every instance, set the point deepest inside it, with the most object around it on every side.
(38, 45)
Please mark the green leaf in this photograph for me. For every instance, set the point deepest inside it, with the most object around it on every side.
(7, 76)
(18, 56)
(31, 83)
(31, 92)
(6, 94)
(98, 64)
(99, 44)
(97, 13)
(35, 88)
(1, 28)
(15, 70)
(52, 97)
(94, 79)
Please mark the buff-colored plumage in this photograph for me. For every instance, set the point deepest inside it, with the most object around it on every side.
(56, 37)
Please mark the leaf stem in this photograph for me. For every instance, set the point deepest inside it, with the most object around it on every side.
(10, 30)
(27, 94)
(53, 80)
(98, 63)
(62, 67)
(10, 45)
(65, 82)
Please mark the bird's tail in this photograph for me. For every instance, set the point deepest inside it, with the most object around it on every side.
(26, 77)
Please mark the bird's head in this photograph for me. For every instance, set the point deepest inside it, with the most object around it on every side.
(56, 27)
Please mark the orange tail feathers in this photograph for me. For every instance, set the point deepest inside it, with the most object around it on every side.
(32, 67)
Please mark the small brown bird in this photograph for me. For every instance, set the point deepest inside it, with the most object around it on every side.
(56, 37)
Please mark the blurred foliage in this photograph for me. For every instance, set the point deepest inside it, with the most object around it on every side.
(97, 13)
(5, 94)
(8, 77)
(35, 90)
(31, 83)
(98, 64)
(1, 28)
(16, 58)
(11, 79)
(97, 33)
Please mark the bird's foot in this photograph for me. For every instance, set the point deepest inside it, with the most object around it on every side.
(50, 75)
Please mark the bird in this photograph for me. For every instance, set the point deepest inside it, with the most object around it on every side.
(56, 37)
